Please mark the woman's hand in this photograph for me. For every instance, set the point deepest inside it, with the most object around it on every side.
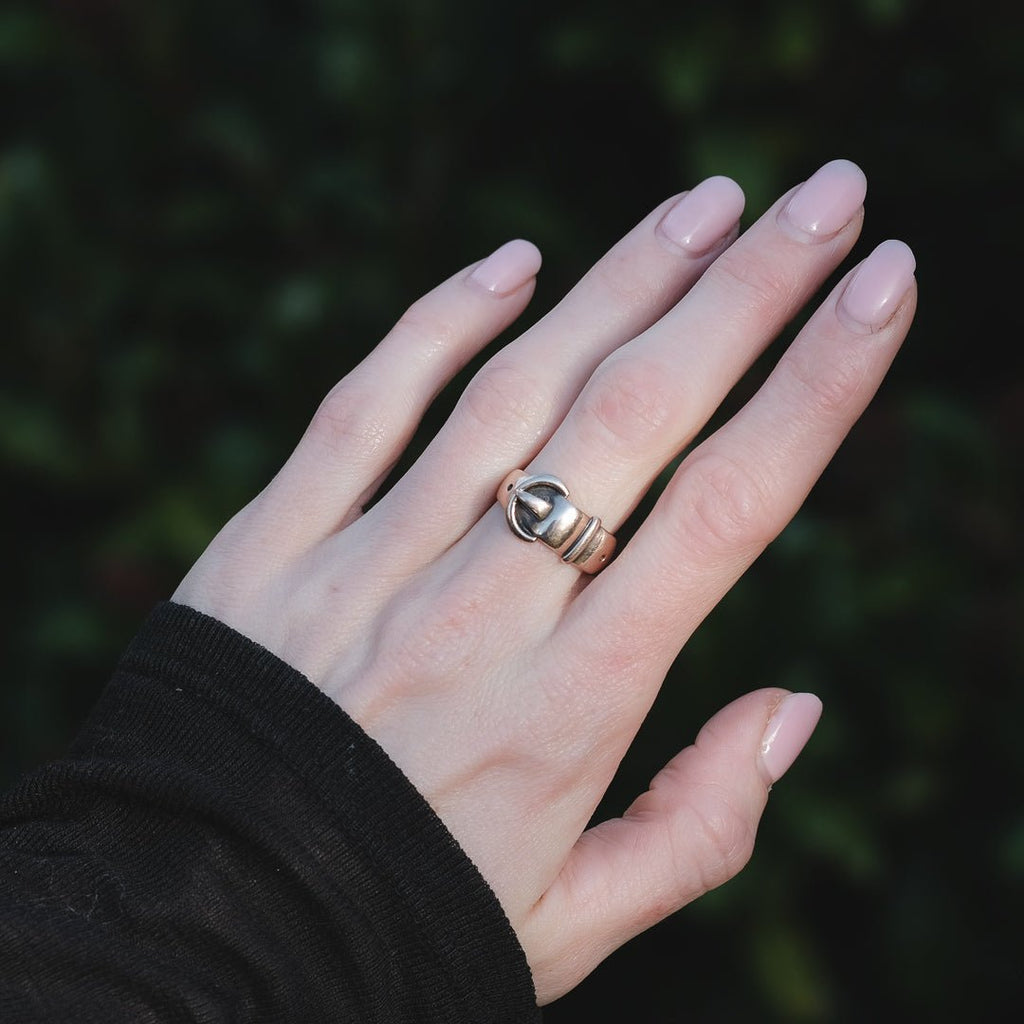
(504, 683)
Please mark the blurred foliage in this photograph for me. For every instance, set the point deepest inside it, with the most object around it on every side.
(209, 211)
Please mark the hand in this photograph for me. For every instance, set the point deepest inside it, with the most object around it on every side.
(504, 683)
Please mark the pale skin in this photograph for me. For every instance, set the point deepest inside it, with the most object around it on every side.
(504, 684)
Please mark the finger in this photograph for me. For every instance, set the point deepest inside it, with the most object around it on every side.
(691, 831)
(648, 400)
(365, 422)
(736, 491)
(523, 392)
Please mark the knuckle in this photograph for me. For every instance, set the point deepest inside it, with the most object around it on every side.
(826, 382)
(757, 289)
(435, 643)
(502, 396)
(722, 840)
(350, 422)
(627, 403)
(617, 275)
(723, 506)
(423, 327)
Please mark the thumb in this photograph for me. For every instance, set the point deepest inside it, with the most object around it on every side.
(691, 831)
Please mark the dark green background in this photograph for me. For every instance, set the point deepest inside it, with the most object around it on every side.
(208, 211)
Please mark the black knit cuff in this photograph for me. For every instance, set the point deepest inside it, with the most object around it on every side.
(359, 790)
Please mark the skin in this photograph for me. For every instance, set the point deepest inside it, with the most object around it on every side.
(511, 716)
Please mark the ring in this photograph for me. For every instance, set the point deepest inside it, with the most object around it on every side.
(538, 508)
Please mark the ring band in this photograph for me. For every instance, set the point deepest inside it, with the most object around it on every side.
(538, 508)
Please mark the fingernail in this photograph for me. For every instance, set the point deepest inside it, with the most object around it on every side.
(878, 286)
(507, 269)
(827, 201)
(703, 217)
(788, 731)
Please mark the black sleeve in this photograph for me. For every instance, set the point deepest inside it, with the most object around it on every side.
(223, 843)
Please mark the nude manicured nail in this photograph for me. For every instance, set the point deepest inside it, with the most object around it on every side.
(827, 201)
(788, 731)
(507, 269)
(878, 286)
(703, 217)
